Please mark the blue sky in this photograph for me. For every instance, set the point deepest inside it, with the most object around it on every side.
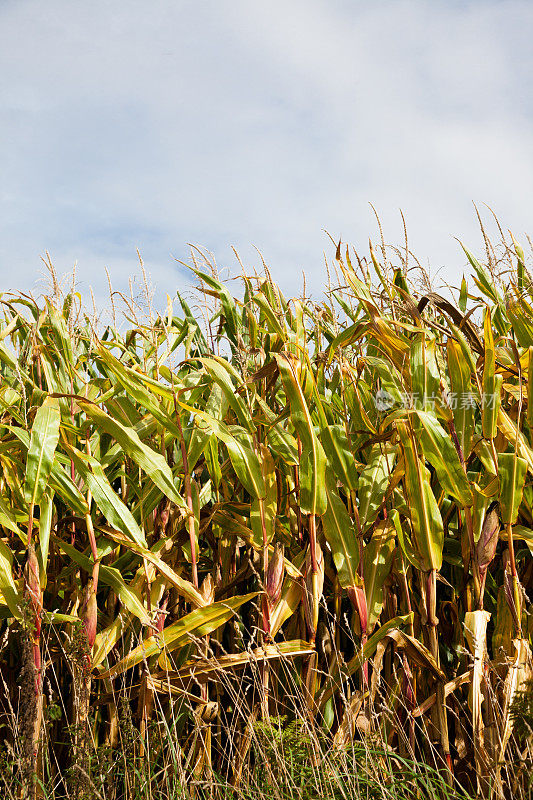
(236, 122)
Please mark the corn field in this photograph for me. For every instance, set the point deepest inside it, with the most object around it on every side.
(250, 516)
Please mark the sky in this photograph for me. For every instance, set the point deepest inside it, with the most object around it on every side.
(236, 123)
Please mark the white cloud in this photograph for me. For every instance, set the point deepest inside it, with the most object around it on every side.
(220, 123)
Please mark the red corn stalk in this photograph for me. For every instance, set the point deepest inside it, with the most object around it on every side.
(31, 706)
(358, 599)
(161, 613)
(510, 591)
(89, 614)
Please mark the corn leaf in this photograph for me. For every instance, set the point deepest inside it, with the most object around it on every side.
(340, 535)
(428, 532)
(42, 447)
(440, 451)
(512, 472)
(196, 624)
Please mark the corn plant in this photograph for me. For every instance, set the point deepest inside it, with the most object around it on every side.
(273, 509)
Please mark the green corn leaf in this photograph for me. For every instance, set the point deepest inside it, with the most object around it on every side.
(428, 531)
(529, 410)
(347, 337)
(520, 315)
(9, 518)
(313, 498)
(58, 480)
(46, 508)
(281, 442)
(296, 380)
(56, 618)
(492, 383)
(195, 334)
(8, 589)
(440, 451)
(463, 397)
(515, 437)
(269, 503)
(270, 315)
(216, 408)
(373, 483)
(406, 545)
(212, 461)
(340, 535)
(463, 297)
(43, 442)
(222, 373)
(483, 280)
(339, 454)
(377, 561)
(108, 637)
(512, 472)
(425, 379)
(65, 487)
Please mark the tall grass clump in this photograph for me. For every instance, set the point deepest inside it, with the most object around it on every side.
(256, 546)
